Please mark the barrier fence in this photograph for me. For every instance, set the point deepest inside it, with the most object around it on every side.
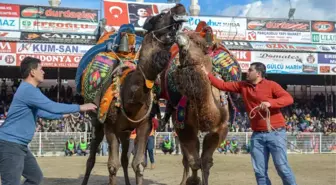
(53, 143)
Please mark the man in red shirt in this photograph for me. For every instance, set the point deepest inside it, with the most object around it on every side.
(258, 91)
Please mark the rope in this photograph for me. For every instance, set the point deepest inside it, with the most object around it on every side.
(270, 128)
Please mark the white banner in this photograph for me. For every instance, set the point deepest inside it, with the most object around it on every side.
(224, 28)
(326, 48)
(244, 66)
(41, 25)
(278, 36)
(9, 23)
(44, 48)
(287, 63)
(7, 59)
(324, 38)
(10, 35)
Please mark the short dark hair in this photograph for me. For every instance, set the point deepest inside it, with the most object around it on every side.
(27, 64)
(260, 67)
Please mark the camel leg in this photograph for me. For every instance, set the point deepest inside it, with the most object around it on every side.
(210, 143)
(190, 146)
(124, 137)
(98, 135)
(138, 160)
(186, 169)
(113, 164)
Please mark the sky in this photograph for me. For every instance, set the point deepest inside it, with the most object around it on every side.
(305, 9)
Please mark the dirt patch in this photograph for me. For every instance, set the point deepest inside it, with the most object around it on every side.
(228, 169)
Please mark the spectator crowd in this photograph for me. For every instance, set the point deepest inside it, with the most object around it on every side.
(302, 116)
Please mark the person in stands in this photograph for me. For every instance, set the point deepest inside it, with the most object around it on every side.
(262, 94)
(82, 148)
(167, 146)
(70, 146)
(17, 131)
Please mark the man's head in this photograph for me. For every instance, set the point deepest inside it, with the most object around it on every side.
(256, 72)
(71, 140)
(31, 70)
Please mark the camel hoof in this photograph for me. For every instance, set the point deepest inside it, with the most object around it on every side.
(193, 181)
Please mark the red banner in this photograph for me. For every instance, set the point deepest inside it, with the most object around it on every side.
(9, 10)
(244, 56)
(7, 54)
(119, 13)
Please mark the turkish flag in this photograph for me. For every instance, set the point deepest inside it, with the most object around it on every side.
(116, 13)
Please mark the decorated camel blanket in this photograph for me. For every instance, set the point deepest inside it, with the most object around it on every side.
(101, 72)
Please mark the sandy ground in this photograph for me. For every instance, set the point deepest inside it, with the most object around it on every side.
(229, 170)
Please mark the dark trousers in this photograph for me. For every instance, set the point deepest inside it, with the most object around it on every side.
(165, 150)
(150, 149)
(16, 161)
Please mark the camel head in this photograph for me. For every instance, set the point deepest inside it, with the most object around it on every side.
(191, 80)
(165, 26)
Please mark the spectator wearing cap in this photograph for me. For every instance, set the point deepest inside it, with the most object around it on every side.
(167, 146)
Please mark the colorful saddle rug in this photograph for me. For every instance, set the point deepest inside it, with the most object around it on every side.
(109, 45)
(101, 79)
(223, 63)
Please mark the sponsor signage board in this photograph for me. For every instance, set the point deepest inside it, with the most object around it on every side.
(224, 28)
(52, 55)
(58, 37)
(278, 25)
(324, 38)
(233, 44)
(327, 69)
(9, 23)
(326, 48)
(58, 26)
(326, 58)
(283, 46)
(10, 35)
(244, 59)
(59, 13)
(323, 26)
(7, 54)
(287, 63)
(278, 36)
(9, 10)
(119, 13)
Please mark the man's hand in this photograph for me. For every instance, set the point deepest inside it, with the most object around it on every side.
(88, 107)
(264, 105)
(204, 70)
(66, 115)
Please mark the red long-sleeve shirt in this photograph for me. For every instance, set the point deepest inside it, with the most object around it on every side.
(253, 95)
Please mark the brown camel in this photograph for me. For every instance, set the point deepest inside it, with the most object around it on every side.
(202, 110)
(136, 98)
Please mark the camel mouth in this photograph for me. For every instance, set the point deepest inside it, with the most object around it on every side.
(182, 41)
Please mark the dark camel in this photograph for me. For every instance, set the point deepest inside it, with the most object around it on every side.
(136, 99)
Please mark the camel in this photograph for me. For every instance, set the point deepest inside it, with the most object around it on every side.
(194, 104)
(126, 100)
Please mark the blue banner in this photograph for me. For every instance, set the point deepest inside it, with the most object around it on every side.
(327, 58)
(291, 68)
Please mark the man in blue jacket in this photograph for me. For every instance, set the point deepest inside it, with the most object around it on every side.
(18, 129)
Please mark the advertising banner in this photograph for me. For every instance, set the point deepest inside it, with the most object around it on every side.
(10, 35)
(9, 10)
(324, 38)
(323, 26)
(287, 63)
(326, 48)
(231, 44)
(9, 17)
(119, 13)
(52, 55)
(225, 28)
(279, 36)
(59, 13)
(278, 25)
(70, 38)
(327, 69)
(58, 26)
(326, 58)
(244, 59)
(7, 54)
(283, 46)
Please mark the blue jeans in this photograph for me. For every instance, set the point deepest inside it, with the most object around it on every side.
(15, 161)
(150, 149)
(264, 144)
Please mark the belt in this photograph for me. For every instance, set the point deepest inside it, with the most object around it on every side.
(273, 130)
